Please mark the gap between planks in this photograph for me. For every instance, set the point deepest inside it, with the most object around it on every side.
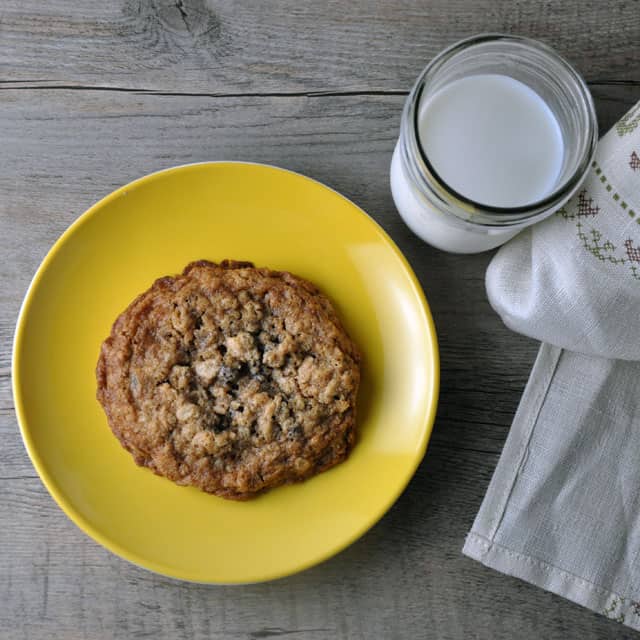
(155, 92)
(23, 85)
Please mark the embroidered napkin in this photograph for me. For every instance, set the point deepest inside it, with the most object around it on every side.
(563, 508)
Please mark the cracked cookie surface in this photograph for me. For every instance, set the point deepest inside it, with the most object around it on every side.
(231, 378)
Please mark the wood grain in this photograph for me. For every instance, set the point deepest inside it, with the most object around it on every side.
(228, 47)
(130, 65)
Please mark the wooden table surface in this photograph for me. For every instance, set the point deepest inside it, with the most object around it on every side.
(95, 94)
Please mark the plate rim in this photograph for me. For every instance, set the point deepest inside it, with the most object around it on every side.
(95, 533)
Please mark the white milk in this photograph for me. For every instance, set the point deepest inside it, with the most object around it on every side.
(493, 140)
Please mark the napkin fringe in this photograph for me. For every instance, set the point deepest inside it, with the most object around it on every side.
(551, 578)
(482, 546)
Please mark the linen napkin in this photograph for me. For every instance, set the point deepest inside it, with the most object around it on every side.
(563, 508)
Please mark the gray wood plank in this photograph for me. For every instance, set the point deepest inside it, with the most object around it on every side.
(222, 46)
(403, 579)
(406, 578)
(50, 175)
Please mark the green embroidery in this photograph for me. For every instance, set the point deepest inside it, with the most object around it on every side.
(616, 608)
(614, 605)
(629, 121)
(601, 248)
(609, 187)
(603, 251)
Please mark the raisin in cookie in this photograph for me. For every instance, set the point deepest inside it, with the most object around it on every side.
(231, 378)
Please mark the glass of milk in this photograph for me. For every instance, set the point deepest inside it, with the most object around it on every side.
(497, 134)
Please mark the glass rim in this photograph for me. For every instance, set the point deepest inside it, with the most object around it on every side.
(504, 216)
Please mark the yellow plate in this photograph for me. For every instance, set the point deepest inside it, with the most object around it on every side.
(153, 227)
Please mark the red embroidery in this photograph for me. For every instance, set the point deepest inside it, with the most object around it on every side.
(634, 162)
(633, 253)
(585, 205)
